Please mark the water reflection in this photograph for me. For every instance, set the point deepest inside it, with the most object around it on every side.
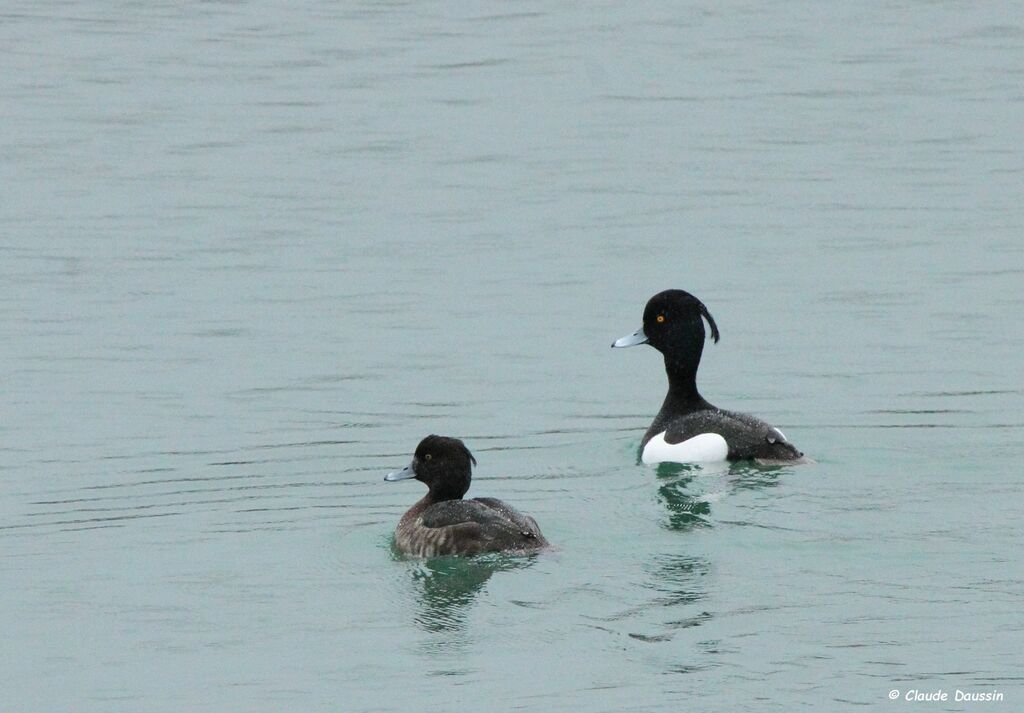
(679, 578)
(447, 586)
(683, 496)
(686, 510)
(679, 583)
(687, 489)
(755, 476)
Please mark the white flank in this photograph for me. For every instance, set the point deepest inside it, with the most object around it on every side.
(702, 448)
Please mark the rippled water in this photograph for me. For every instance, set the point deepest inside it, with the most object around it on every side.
(253, 253)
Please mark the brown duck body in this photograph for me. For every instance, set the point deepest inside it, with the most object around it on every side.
(434, 528)
(442, 523)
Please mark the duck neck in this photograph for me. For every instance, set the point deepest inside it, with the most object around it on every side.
(682, 397)
(682, 387)
(429, 499)
(421, 505)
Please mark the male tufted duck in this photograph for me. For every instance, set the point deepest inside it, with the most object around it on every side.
(442, 523)
(688, 429)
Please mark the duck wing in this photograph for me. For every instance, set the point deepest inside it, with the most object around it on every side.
(747, 437)
(480, 525)
(753, 439)
(525, 523)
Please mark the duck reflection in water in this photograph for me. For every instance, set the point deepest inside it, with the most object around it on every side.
(688, 489)
(679, 580)
(447, 586)
(684, 501)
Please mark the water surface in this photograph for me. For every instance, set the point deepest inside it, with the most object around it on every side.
(253, 254)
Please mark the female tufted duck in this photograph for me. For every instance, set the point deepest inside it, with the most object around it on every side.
(442, 523)
(688, 429)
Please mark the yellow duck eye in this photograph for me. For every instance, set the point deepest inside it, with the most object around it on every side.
(661, 318)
